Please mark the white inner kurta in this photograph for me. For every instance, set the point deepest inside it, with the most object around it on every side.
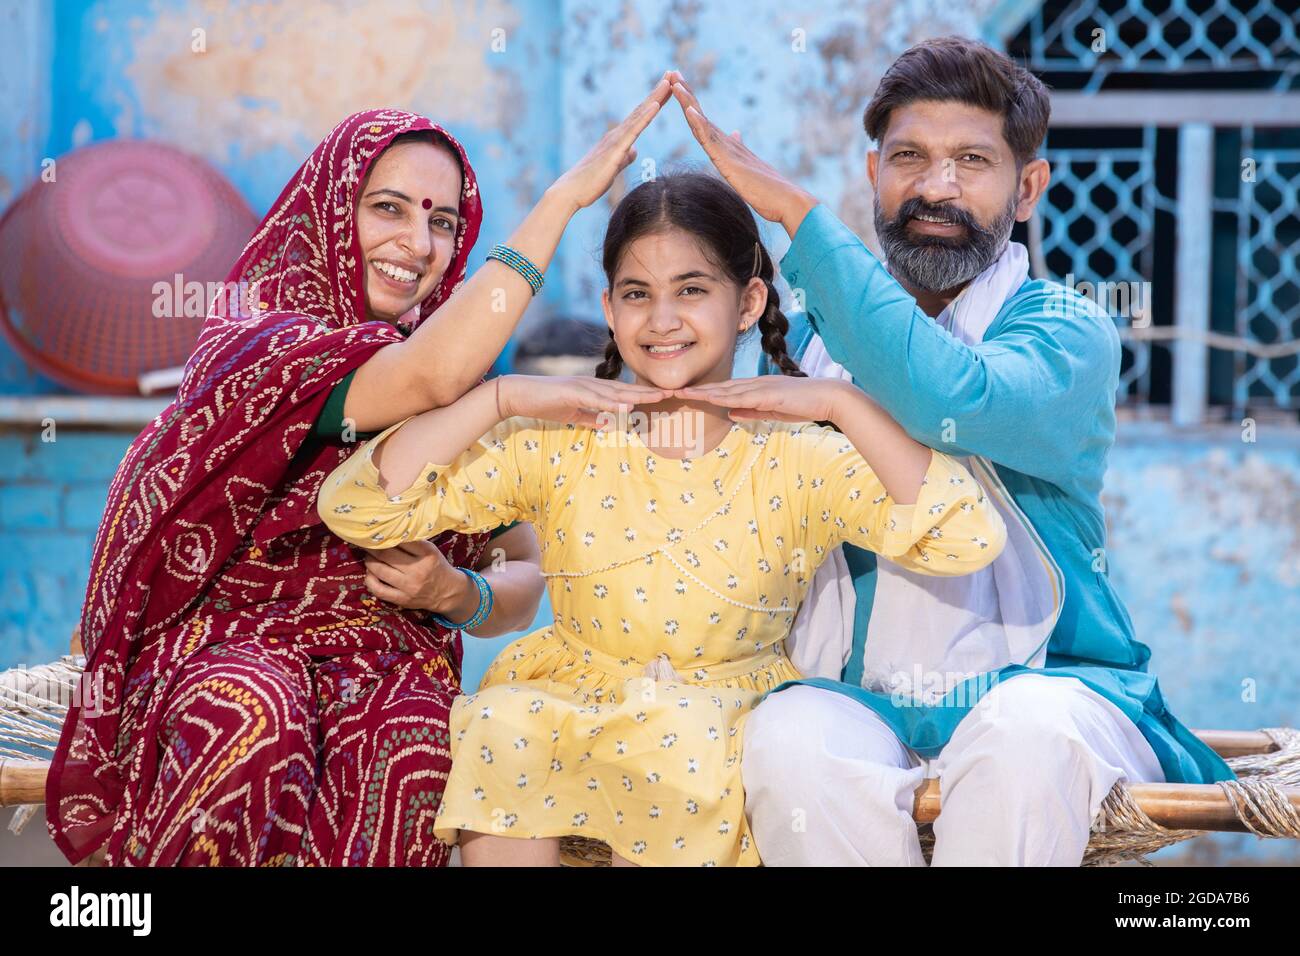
(927, 634)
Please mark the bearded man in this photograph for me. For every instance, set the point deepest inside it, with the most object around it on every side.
(1021, 687)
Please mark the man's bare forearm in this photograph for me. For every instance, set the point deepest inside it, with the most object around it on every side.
(795, 209)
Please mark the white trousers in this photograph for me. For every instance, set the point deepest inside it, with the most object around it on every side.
(827, 783)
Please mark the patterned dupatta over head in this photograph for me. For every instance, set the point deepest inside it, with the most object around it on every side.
(210, 533)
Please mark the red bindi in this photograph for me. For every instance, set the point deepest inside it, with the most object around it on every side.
(427, 204)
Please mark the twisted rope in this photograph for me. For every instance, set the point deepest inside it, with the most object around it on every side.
(33, 703)
(1124, 832)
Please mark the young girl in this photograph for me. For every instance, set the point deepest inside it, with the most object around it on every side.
(676, 548)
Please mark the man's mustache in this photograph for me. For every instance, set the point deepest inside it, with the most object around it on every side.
(947, 212)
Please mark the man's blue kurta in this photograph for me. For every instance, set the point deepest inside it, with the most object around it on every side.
(1037, 398)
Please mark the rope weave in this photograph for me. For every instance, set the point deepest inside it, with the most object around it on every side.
(33, 702)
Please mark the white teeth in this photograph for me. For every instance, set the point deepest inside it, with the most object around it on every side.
(668, 348)
(404, 275)
(932, 219)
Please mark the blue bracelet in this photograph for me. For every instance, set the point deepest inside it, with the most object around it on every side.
(520, 263)
(485, 601)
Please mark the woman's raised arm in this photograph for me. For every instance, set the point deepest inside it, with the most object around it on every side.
(454, 347)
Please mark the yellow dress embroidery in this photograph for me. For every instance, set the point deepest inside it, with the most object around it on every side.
(693, 569)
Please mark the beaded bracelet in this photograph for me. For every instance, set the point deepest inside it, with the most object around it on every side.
(485, 601)
(520, 263)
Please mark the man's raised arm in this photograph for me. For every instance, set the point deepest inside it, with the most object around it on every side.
(1015, 399)
(1022, 399)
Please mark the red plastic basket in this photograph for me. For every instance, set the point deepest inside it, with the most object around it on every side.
(80, 257)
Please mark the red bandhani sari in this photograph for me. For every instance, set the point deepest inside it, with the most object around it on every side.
(246, 700)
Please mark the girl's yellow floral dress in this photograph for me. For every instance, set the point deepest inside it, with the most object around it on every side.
(704, 560)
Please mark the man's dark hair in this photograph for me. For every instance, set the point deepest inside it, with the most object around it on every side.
(967, 71)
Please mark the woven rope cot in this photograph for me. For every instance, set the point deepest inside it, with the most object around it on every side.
(1135, 819)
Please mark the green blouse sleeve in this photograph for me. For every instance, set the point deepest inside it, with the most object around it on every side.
(329, 424)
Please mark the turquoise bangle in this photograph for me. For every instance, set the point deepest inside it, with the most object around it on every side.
(520, 263)
(485, 602)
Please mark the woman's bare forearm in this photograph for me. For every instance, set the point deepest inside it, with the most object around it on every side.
(516, 591)
(452, 349)
(438, 436)
(899, 461)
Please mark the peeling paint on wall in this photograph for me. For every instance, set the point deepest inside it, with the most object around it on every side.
(282, 75)
(1204, 546)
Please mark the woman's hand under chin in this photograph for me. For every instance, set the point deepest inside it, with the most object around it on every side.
(782, 398)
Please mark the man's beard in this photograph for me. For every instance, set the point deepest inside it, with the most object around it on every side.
(939, 263)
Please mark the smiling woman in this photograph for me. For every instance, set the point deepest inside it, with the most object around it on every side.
(404, 242)
(260, 681)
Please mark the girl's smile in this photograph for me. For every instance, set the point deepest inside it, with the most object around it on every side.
(667, 350)
(674, 315)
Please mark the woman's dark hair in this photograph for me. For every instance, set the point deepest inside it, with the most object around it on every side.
(432, 137)
(711, 211)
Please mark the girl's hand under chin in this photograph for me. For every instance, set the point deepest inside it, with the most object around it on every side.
(782, 398)
(577, 400)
